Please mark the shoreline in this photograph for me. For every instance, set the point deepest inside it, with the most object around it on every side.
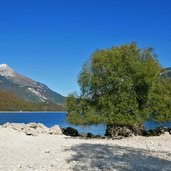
(33, 112)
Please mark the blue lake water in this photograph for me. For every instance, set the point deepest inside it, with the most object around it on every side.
(49, 119)
(60, 118)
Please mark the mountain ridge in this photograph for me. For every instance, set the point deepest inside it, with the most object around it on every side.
(25, 88)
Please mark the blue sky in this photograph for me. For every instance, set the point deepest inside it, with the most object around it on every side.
(49, 40)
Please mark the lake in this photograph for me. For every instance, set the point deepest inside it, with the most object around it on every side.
(50, 119)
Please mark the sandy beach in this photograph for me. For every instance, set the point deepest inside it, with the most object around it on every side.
(20, 152)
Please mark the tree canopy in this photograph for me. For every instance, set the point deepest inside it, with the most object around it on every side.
(122, 86)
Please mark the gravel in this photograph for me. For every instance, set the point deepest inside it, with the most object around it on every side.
(20, 152)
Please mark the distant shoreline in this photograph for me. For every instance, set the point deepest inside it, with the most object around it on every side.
(32, 112)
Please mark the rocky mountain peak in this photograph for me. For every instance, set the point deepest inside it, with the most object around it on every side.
(26, 88)
(6, 71)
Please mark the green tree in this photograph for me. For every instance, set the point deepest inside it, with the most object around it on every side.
(160, 101)
(120, 86)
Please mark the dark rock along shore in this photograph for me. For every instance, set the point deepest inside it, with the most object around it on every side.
(113, 131)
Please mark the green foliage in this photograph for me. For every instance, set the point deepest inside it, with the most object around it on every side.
(9, 102)
(120, 86)
(160, 101)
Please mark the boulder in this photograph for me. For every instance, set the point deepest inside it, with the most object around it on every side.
(55, 130)
(83, 135)
(169, 130)
(15, 126)
(6, 125)
(32, 125)
(31, 132)
(38, 128)
(69, 131)
(115, 131)
(90, 135)
(161, 130)
(137, 129)
(166, 134)
(156, 132)
(150, 133)
(35, 128)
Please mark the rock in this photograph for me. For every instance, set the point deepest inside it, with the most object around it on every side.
(137, 129)
(161, 130)
(55, 130)
(151, 142)
(30, 166)
(119, 131)
(166, 133)
(35, 129)
(15, 126)
(149, 133)
(47, 151)
(90, 135)
(52, 165)
(40, 128)
(40, 125)
(30, 132)
(30, 129)
(125, 155)
(19, 166)
(6, 125)
(103, 137)
(169, 130)
(98, 136)
(69, 131)
(32, 125)
(19, 127)
(156, 132)
(153, 133)
(126, 131)
(83, 135)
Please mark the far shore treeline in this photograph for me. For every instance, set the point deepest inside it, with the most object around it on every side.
(123, 85)
(9, 102)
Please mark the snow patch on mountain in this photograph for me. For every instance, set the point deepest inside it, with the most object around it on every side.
(6, 71)
(38, 94)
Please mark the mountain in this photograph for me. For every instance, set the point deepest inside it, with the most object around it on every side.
(9, 102)
(166, 73)
(27, 89)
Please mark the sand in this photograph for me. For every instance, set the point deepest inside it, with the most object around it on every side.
(19, 152)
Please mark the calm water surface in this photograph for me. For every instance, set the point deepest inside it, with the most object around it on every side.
(49, 119)
(59, 118)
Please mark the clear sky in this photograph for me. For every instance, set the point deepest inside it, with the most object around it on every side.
(49, 40)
